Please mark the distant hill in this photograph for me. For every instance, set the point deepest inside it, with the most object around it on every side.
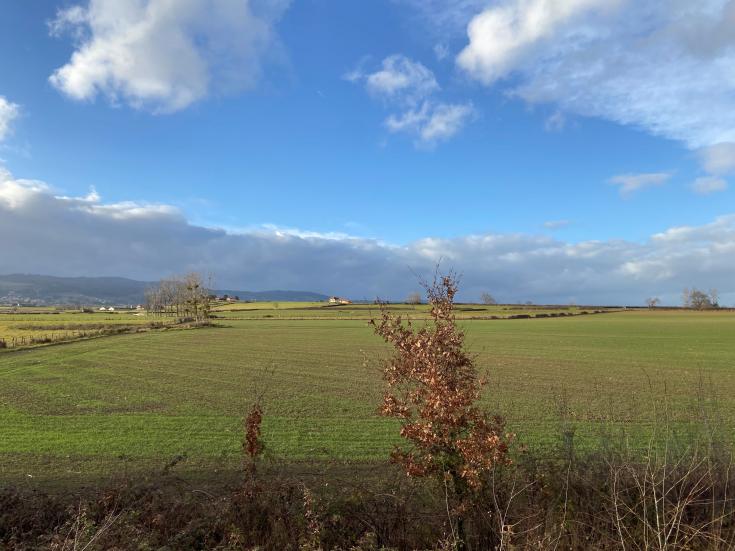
(283, 296)
(49, 290)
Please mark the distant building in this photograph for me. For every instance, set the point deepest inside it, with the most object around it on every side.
(103, 309)
(339, 300)
(111, 309)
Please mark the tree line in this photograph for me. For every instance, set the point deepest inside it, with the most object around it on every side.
(184, 297)
(693, 298)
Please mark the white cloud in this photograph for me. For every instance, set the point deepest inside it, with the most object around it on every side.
(85, 236)
(441, 51)
(665, 67)
(15, 193)
(709, 184)
(446, 17)
(502, 36)
(556, 224)
(162, 55)
(445, 121)
(719, 158)
(401, 79)
(630, 183)
(432, 123)
(8, 113)
(555, 122)
(411, 86)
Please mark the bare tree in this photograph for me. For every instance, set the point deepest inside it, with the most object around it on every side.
(172, 296)
(413, 298)
(488, 299)
(653, 302)
(714, 296)
(699, 299)
(686, 298)
(153, 301)
(195, 296)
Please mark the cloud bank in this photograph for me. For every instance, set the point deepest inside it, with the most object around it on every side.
(162, 55)
(44, 232)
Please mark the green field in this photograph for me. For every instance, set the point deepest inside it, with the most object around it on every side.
(133, 402)
(321, 310)
(57, 324)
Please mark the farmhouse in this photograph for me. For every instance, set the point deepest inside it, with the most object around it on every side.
(339, 300)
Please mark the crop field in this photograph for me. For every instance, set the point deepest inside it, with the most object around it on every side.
(320, 310)
(31, 326)
(47, 322)
(133, 402)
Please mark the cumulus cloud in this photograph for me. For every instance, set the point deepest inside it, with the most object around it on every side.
(410, 85)
(503, 35)
(665, 67)
(71, 236)
(8, 113)
(161, 55)
(630, 183)
(398, 79)
(709, 184)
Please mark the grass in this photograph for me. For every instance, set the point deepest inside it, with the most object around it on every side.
(134, 401)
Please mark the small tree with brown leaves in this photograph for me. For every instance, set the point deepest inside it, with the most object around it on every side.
(433, 388)
(253, 444)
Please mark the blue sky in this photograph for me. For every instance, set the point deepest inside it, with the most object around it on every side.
(385, 122)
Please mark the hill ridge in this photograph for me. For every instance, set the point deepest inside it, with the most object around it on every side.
(46, 290)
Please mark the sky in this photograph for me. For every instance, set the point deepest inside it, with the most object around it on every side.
(546, 150)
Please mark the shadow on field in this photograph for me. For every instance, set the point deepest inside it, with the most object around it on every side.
(674, 492)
